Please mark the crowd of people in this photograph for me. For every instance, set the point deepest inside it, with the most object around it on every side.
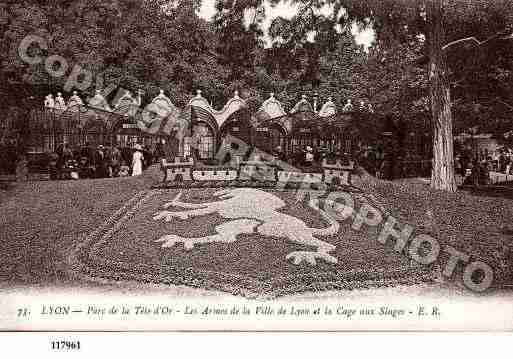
(101, 161)
(306, 158)
(374, 159)
(97, 162)
(310, 158)
(8, 156)
(476, 167)
(77, 162)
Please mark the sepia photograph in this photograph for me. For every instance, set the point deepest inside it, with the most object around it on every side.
(256, 165)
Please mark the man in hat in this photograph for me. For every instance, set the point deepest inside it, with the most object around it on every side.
(114, 161)
(509, 162)
(100, 162)
(75, 100)
(60, 104)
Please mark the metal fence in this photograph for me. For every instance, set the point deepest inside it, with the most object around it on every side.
(48, 128)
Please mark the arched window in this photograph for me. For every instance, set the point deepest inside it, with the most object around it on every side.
(268, 136)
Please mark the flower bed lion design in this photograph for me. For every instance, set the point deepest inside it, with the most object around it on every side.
(253, 211)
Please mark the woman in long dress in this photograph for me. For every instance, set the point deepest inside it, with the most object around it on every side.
(137, 161)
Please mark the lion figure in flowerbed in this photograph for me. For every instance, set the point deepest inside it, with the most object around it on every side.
(253, 211)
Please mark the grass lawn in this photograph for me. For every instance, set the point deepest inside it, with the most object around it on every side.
(479, 224)
(43, 222)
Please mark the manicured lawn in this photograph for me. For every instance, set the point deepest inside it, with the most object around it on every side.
(477, 224)
(41, 221)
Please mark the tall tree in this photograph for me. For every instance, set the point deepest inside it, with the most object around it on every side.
(238, 24)
(439, 22)
(130, 43)
(442, 175)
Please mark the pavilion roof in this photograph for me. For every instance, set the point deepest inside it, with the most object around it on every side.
(162, 116)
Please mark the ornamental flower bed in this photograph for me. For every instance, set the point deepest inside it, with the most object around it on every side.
(253, 266)
(44, 229)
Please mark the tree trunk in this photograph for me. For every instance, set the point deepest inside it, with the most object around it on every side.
(442, 175)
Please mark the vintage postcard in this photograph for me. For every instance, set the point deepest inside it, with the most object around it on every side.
(269, 165)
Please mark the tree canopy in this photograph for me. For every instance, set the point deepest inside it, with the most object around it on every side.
(165, 44)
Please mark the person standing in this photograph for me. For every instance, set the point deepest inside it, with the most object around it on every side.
(137, 161)
(53, 169)
(66, 157)
(379, 159)
(108, 162)
(464, 162)
(279, 154)
(147, 157)
(502, 162)
(494, 159)
(115, 161)
(309, 156)
(457, 164)
(22, 169)
(99, 162)
(509, 162)
(159, 150)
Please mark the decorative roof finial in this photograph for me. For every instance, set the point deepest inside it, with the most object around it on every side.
(198, 93)
(328, 109)
(236, 94)
(75, 100)
(348, 107)
(161, 92)
(303, 97)
(59, 102)
(272, 95)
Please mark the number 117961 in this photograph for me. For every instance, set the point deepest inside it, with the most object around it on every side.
(65, 345)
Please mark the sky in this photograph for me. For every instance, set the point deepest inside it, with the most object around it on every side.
(287, 11)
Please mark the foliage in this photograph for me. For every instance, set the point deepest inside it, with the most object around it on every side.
(479, 80)
(130, 43)
(238, 26)
(164, 44)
